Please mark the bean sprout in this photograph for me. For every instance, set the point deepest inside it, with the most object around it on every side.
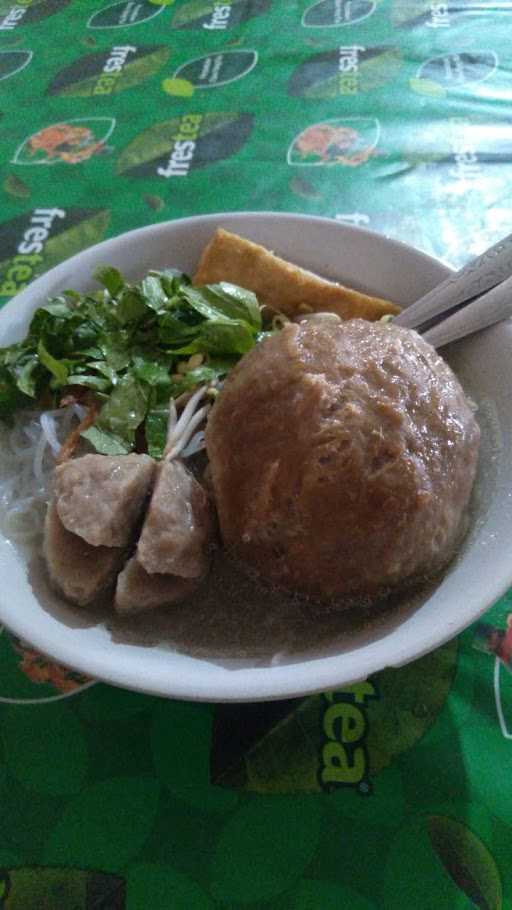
(180, 430)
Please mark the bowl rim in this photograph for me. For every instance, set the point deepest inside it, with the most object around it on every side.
(305, 676)
(48, 278)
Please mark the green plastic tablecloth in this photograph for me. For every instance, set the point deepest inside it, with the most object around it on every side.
(391, 114)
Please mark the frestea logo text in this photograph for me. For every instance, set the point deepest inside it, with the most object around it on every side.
(220, 17)
(15, 15)
(30, 250)
(344, 757)
(113, 69)
(465, 155)
(348, 66)
(439, 16)
(184, 144)
(347, 70)
(182, 153)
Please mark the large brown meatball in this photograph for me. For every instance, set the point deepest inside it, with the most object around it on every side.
(343, 456)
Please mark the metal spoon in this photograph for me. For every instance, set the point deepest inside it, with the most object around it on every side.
(481, 274)
(492, 307)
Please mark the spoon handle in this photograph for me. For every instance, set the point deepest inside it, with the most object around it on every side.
(479, 275)
(492, 307)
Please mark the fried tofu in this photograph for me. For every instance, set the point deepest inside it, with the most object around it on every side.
(280, 285)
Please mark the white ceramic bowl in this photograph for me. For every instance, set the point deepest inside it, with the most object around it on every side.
(481, 574)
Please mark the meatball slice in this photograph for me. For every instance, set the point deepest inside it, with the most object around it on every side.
(100, 497)
(138, 591)
(177, 533)
(77, 570)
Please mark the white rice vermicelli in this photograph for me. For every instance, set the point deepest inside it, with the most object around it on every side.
(27, 458)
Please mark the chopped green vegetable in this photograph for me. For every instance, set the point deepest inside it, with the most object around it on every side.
(127, 343)
(27, 375)
(225, 302)
(106, 443)
(152, 369)
(110, 278)
(154, 293)
(56, 367)
(156, 431)
(125, 409)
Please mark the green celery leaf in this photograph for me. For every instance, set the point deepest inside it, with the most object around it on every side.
(69, 294)
(84, 334)
(174, 328)
(57, 307)
(14, 353)
(125, 410)
(110, 278)
(199, 376)
(172, 280)
(204, 302)
(123, 344)
(62, 330)
(106, 443)
(94, 353)
(154, 293)
(224, 301)
(114, 348)
(229, 337)
(57, 368)
(27, 376)
(130, 306)
(105, 369)
(156, 431)
(89, 381)
(152, 370)
(235, 302)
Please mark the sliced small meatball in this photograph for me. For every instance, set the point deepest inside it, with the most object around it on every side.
(100, 497)
(178, 530)
(78, 570)
(138, 591)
